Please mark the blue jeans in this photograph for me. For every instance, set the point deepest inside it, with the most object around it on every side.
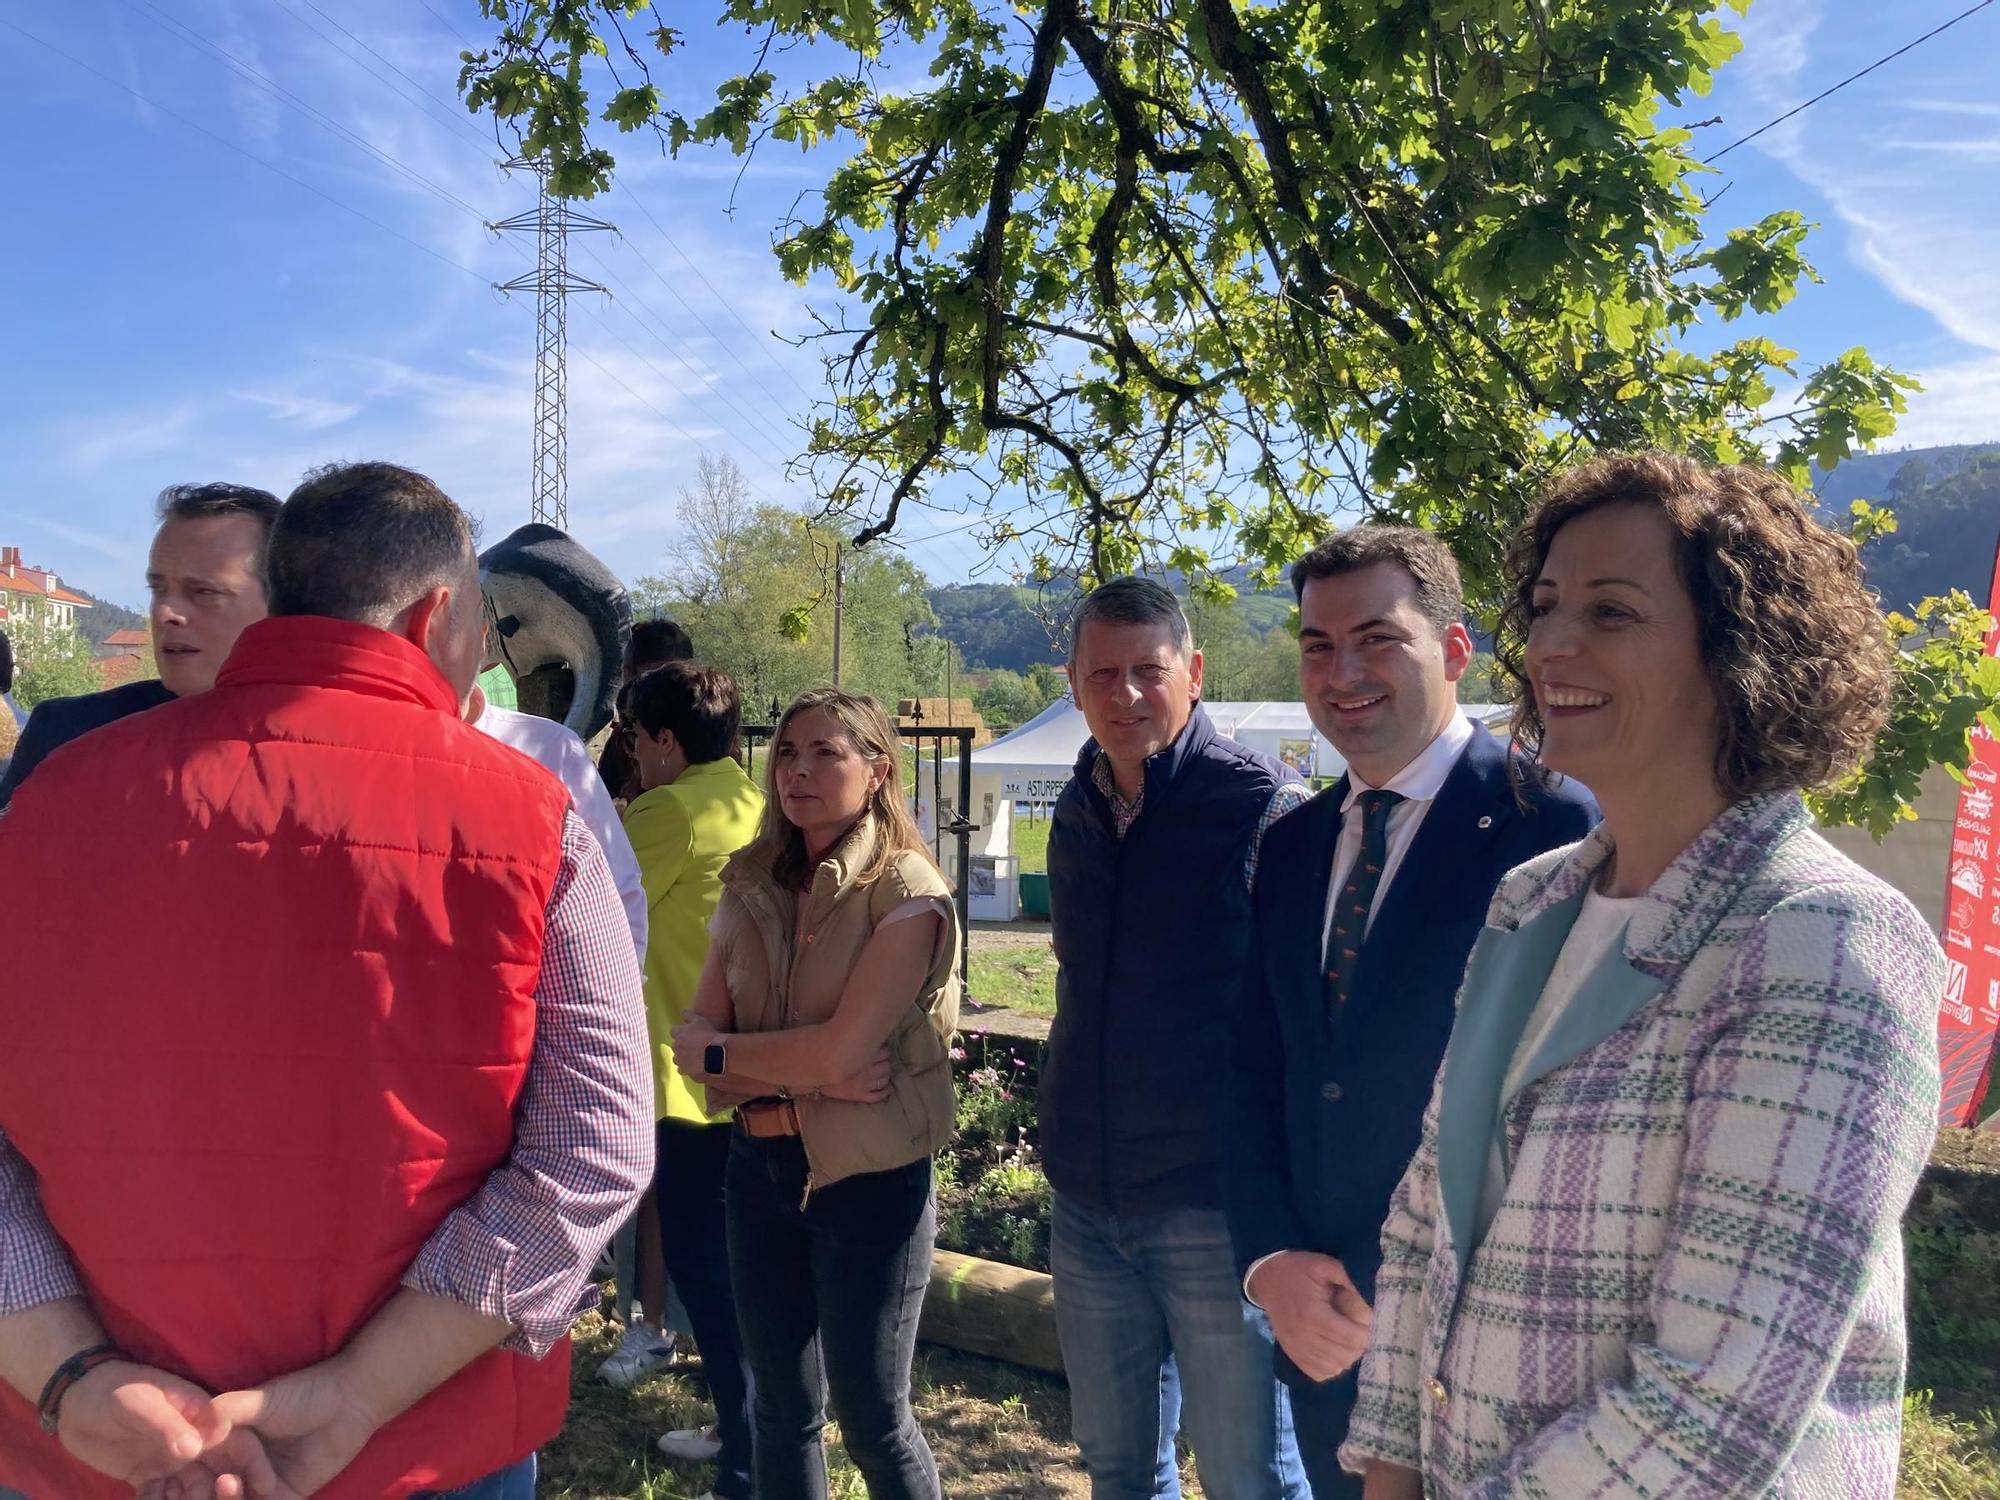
(1155, 1332)
(515, 1482)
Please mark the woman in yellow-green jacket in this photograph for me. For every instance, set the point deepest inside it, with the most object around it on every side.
(697, 808)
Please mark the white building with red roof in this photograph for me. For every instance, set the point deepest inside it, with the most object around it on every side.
(33, 598)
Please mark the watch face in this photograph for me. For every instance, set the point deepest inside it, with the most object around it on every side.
(713, 1059)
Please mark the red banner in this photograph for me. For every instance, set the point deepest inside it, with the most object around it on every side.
(1970, 1014)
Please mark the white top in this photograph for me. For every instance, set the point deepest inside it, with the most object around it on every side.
(1599, 925)
(1419, 783)
(557, 747)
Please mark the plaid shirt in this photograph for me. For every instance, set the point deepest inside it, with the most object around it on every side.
(1289, 794)
(522, 1248)
(1693, 1285)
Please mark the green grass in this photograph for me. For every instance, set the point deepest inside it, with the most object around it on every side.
(1019, 977)
(999, 1433)
(1947, 1457)
(1031, 843)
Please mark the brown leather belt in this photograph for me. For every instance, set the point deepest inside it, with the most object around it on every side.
(768, 1117)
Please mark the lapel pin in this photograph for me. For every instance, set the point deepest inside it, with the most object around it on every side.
(1487, 821)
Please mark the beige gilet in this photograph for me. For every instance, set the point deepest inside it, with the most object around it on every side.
(776, 983)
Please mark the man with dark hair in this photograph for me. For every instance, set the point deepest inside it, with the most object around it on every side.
(1374, 893)
(339, 1126)
(695, 809)
(652, 643)
(206, 576)
(1151, 851)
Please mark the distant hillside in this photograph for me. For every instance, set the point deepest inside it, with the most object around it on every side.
(996, 625)
(1947, 505)
(95, 624)
(999, 626)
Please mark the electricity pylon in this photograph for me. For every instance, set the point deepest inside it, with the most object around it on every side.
(551, 282)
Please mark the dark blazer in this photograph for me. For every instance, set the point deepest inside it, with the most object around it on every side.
(1323, 1113)
(53, 724)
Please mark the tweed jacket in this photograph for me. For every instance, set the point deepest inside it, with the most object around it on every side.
(1693, 1285)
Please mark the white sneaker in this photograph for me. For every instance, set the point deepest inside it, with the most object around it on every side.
(639, 1354)
(694, 1444)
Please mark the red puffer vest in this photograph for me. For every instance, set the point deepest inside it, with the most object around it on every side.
(268, 1008)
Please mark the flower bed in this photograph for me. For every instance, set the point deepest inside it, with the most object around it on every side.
(993, 1199)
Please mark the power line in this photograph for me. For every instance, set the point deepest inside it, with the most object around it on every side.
(345, 207)
(670, 382)
(983, 520)
(761, 340)
(588, 358)
(448, 25)
(549, 466)
(453, 116)
(188, 34)
(1773, 125)
(389, 160)
(764, 433)
(721, 301)
(629, 301)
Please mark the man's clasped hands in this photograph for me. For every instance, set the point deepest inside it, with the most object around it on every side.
(172, 1440)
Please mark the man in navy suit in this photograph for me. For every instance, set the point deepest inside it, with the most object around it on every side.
(205, 574)
(1367, 902)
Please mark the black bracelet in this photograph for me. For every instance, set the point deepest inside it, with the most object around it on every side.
(67, 1374)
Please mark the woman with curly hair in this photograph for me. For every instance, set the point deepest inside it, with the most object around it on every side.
(1648, 1245)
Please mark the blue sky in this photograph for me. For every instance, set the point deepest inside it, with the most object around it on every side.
(188, 298)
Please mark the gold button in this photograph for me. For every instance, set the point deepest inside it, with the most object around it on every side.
(1438, 1392)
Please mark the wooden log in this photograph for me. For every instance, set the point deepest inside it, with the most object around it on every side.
(984, 1307)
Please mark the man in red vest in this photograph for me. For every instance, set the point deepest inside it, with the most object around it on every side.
(337, 1119)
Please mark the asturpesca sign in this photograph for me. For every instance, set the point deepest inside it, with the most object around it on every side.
(1969, 1016)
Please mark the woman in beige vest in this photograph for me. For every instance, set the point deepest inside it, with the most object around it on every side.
(823, 1018)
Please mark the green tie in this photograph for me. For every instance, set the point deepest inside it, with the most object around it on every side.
(1350, 913)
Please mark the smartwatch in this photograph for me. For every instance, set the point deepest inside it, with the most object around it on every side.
(715, 1060)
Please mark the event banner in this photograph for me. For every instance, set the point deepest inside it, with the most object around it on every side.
(1970, 1015)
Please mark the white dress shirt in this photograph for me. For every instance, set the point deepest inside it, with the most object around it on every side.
(557, 747)
(1419, 782)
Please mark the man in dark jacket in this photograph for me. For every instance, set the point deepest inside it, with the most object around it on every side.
(1150, 854)
(206, 577)
(1373, 894)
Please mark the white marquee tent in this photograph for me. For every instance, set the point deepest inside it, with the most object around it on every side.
(1033, 763)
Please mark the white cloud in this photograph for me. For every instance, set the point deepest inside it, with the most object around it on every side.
(312, 413)
(1960, 404)
(1893, 156)
(118, 549)
(93, 443)
(1953, 107)
(135, 80)
(256, 107)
